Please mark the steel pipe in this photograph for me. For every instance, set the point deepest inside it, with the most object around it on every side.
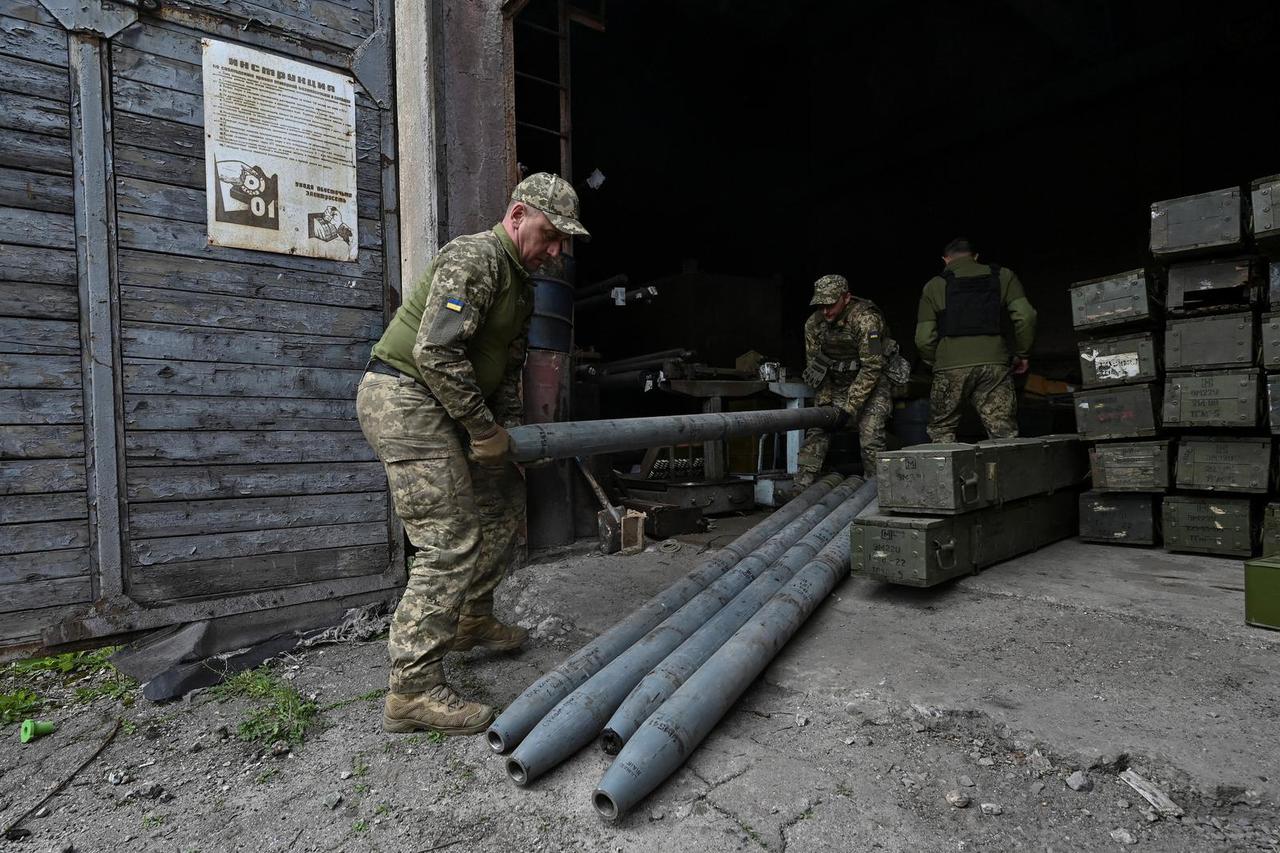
(532, 705)
(676, 668)
(588, 438)
(682, 722)
(580, 716)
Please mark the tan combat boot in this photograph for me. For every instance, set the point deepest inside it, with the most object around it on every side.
(488, 633)
(437, 709)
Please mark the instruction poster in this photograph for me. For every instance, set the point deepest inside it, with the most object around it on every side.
(280, 154)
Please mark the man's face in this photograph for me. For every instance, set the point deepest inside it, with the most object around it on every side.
(833, 310)
(536, 239)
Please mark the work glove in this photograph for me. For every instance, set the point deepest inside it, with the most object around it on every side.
(811, 376)
(490, 447)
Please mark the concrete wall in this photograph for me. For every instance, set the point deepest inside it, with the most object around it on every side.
(453, 92)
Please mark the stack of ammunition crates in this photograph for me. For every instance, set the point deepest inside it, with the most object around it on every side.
(948, 510)
(1203, 419)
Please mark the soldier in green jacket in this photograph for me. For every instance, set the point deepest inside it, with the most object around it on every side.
(959, 333)
(441, 390)
(848, 356)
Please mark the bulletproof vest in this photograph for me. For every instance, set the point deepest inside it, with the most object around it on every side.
(973, 305)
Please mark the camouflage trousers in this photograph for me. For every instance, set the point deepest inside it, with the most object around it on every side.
(871, 430)
(461, 519)
(988, 387)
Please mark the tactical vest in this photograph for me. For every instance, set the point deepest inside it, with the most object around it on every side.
(488, 349)
(972, 306)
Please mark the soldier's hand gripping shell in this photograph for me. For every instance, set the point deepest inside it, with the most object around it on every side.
(842, 420)
(490, 448)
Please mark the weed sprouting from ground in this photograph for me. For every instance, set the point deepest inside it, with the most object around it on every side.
(17, 705)
(281, 713)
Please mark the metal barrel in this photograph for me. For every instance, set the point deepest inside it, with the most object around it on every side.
(649, 359)
(532, 705)
(587, 438)
(682, 722)
(547, 380)
(552, 324)
(676, 668)
(580, 716)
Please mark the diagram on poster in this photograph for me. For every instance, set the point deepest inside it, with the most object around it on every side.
(280, 154)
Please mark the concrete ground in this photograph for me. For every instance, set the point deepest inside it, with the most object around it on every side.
(1000, 686)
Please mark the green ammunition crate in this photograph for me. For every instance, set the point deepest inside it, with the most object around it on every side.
(917, 550)
(946, 479)
(1120, 519)
(1233, 283)
(1211, 341)
(1211, 525)
(1197, 223)
(1114, 300)
(1222, 464)
(1126, 411)
(1264, 212)
(1271, 341)
(1273, 285)
(1221, 398)
(1131, 466)
(1262, 592)
(1273, 402)
(1271, 530)
(1119, 361)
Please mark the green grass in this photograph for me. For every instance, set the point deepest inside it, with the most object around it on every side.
(371, 696)
(70, 663)
(153, 821)
(73, 667)
(358, 767)
(280, 712)
(266, 775)
(435, 737)
(18, 705)
(360, 826)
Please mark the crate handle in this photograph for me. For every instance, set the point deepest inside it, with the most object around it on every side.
(949, 548)
(968, 481)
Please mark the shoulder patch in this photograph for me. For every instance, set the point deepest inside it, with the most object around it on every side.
(453, 303)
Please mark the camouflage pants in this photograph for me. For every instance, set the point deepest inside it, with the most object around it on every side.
(989, 387)
(460, 517)
(871, 430)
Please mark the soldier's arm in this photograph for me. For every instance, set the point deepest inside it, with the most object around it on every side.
(506, 404)
(461, 291)
(871, 361)
(927, 325)
(812, 343)
(1022, 314)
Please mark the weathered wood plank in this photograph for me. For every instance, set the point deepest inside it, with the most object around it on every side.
(237, 380)
(236, 447)
(178, 37)
(190, 518)
(34, 191)
(171, 411)
(46, 565)
(187, 204)
(31, 11)
(39, 301)
(27, 39)
(54, 337)
(62, 506)
(19, 370)
(45, 593)
(42, 442)
(190, 239)
(36, 264)
(28, 406)
(130, 96)
(20, 149)
(43, 536)
(37, 476)
(158, 134)
(24, 626)
(220, 577)
(287, 26)
(181, 549)
(343, 17)
(37, 228)
(34, 78)
(149, 269)
(193, 343)
(34, 115)
(188, 308)
(156, 70)
(228, 481)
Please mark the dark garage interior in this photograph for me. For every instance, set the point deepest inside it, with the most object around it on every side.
(782, 141)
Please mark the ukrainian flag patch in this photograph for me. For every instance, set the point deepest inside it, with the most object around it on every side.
(453, 303)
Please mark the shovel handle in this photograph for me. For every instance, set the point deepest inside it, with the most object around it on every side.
(600, 495)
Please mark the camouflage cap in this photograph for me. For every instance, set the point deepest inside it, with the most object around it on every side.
(552, 195)
(828, 290)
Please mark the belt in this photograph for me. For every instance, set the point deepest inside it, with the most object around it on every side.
(376, 366)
